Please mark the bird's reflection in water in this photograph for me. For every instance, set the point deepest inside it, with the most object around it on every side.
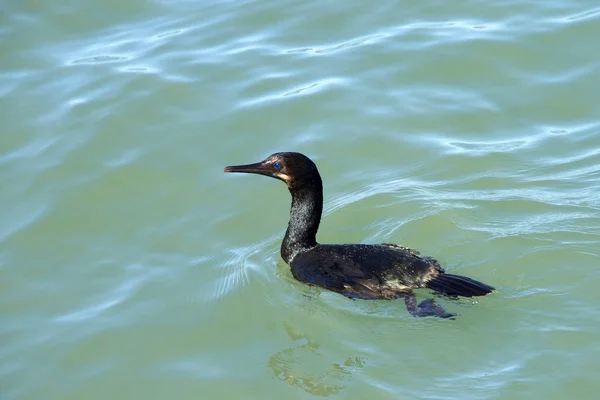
(296, 366)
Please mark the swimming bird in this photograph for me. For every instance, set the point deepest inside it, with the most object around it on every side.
(357, 271)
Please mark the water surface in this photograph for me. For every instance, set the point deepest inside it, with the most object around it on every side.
(132, 267)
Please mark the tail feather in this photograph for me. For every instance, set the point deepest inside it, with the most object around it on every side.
(456, 285)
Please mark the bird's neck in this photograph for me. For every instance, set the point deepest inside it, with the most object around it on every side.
(305, 215)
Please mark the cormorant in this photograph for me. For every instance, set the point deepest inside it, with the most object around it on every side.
(358, 271)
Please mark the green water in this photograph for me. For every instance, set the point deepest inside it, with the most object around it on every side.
(132, 267)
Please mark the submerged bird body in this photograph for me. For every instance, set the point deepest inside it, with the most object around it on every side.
(361, 271)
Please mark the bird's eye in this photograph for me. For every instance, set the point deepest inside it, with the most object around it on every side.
(277, 165)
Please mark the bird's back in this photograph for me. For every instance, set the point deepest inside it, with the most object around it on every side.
(364, 271)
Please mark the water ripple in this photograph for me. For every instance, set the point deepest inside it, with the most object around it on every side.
(583, 16)
(238, 266)
(468, 130)
(108, 300)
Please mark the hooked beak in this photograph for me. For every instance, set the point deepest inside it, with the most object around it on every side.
(260, 168)
(256, 168)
